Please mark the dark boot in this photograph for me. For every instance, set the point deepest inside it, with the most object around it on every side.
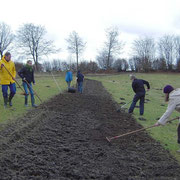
(5, 102)
(26, 101)
(10, 99)
(33, 101)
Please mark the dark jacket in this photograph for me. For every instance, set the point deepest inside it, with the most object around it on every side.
(138, 85)
(80, 77)
(27, 73)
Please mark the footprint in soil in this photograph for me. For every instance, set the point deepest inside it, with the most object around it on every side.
(48, 86)
(122, 103)
(162, 105)
(158, 118)
(147, 99)
(142, 119)
(121, 98)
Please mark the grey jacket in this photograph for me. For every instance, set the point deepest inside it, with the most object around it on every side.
(173, 104)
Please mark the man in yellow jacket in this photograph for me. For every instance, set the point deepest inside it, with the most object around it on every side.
(6, 79)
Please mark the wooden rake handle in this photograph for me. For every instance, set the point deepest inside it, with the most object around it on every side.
(14, 79)
(132, 132)
(34, 91)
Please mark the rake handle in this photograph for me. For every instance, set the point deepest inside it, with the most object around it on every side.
(14, 78)
(33, 90)
(132, 132)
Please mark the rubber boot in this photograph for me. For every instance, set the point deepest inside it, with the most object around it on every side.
(5, 102)
(10, 99)
(33, 101)
(26, 101)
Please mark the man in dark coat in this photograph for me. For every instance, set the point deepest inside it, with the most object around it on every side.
(27, 75)
(80, 79)
(138, 88)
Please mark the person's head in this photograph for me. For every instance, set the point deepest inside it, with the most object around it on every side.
(7, 56)
(29, 62)
(167, 89)
(132, 77)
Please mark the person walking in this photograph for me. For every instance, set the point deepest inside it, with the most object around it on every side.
(27, 75)
(80, 79)
(68, 78)
(138, 88)
(7, 77)
(172, 96)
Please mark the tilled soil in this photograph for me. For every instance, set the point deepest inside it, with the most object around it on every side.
(64, 139)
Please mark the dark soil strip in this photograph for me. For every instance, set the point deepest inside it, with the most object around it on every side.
(68, 143)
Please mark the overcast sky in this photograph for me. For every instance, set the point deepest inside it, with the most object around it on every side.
(90, 18)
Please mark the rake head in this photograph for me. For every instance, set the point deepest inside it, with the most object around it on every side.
(108, 139)
(24, 94)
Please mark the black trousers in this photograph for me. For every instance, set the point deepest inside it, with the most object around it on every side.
(178, 132)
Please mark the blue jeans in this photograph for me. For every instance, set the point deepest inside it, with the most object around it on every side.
(80, 87)
(12, 90)
(26, 88)
(138, 96)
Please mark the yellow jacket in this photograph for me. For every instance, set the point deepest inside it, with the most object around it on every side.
(5, 77)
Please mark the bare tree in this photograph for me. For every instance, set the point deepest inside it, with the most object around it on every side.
(144, 49)
(47, 66)
(76, 45)
(121, 65)
(31, 40)
(177, 51)
(6, 37)
(167, 49)
(56, 65)
(112, 47)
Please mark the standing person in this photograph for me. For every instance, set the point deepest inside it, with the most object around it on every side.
(172, 96)
(80, 78)
(138, 88)
(27, 75)
(69, 78)
(6, 79)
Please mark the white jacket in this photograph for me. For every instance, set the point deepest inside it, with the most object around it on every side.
(173, 104)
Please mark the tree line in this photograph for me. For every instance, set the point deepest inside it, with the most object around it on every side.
(147, 53)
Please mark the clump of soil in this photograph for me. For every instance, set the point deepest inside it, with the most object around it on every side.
(68, 142)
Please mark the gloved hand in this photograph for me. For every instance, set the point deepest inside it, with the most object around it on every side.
(24, 79)
(2, 65)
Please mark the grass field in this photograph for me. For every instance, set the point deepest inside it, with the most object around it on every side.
(45, 87)
(119, 86)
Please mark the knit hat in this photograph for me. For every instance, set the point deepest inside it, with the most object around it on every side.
(168, 89)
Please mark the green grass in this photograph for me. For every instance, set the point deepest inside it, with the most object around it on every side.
(119, 86)
(42, 90)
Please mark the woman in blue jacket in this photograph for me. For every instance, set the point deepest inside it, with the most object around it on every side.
(69, 78)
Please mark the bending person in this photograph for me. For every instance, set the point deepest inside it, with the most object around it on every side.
(138, 88)
(172, 96)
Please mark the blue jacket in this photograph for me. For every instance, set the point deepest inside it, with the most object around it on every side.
(138, 85)
(80, 77)
(69, 76)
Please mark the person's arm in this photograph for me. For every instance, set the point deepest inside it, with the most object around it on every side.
(146, 83)
(21, 73)
(171, 107)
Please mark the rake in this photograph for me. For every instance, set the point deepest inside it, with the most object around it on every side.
(132, 132)
(15, 80)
